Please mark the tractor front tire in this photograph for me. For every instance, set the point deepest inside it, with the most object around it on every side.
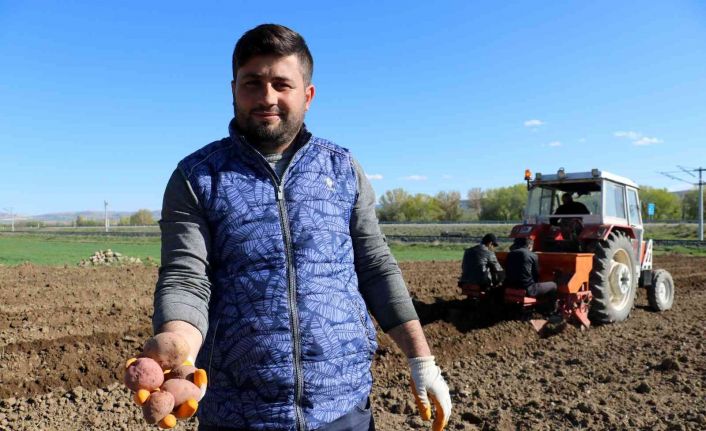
(613, 281)
(660, 293)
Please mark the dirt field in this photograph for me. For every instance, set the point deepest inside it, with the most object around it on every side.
(65, 332)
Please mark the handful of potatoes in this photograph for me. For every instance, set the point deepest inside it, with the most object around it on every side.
(164, 382)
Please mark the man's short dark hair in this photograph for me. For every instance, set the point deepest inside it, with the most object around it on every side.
(520, 243)
(488, 239)
(273, 39)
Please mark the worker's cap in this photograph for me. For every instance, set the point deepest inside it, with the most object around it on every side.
(489, 237)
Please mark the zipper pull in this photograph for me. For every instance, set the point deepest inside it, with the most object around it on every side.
(280, 193)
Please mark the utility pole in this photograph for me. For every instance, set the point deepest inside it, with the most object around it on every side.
(107, 222)
(701, 205)
(701, 192)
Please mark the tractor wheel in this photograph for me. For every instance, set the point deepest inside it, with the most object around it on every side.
(613, 281)
(661, 292)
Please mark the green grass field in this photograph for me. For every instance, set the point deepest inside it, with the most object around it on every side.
(59, 250)
(69, 250)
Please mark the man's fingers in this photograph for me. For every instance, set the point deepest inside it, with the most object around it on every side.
(441, 415)
(201, 381)
(422, 403)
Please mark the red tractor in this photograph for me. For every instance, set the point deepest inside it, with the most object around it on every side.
(597, 250)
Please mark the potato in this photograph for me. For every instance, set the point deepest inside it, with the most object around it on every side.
(144, 373)
(182, 390)
(158, 406)
(181, 372)
(169, 349)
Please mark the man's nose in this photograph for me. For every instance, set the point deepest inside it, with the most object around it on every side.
(269, 95)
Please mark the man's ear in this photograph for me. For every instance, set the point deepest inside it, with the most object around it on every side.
(309, 93)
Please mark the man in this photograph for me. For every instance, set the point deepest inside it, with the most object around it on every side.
(570, 207)
(523, 269)
(480, 266)
(570, 227)
(272, 256)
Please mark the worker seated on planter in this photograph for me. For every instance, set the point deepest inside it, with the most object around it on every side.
(480, 266)
(523, 270)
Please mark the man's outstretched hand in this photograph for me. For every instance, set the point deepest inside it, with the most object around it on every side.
(164, 380)
(429, 388)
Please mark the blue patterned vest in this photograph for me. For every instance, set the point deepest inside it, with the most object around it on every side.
(290, 341)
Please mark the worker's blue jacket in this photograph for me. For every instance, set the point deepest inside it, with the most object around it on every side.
(290, 341)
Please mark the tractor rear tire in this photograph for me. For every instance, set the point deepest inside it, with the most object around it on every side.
(660, 293)
(613, 281)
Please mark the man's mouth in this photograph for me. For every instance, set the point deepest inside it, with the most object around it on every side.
(266, 114)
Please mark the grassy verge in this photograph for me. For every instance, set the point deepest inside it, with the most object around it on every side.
(677, 249)
(64, 250)
(417, 252)
(70, 250)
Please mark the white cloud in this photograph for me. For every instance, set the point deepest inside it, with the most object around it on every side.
(582, 140)
(374, 176)
(446, 177)
(629, 134)
(534, 123)
(554, 144)
(646, 140)
(637, 138)
(415, 178)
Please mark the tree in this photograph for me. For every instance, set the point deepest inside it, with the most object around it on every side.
(82, 221)
(667, 205)
(391, 205)
(421, 207)
(142, 217)
(690, 205)
(450, 205)
(475, 198)
(504, 203)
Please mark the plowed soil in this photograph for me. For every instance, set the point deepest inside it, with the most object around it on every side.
(65, 333)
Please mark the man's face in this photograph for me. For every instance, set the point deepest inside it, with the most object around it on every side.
(271, 99)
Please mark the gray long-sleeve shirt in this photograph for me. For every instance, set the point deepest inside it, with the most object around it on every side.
(183, 288)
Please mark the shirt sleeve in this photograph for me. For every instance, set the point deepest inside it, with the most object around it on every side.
(379, 277)
(494, 264)
(535, 267)
(183, 287)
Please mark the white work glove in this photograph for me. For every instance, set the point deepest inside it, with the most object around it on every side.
(429, 387)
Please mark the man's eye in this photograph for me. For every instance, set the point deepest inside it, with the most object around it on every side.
(281, 86)
(252, 84)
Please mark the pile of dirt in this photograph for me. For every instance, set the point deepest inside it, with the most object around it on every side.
(65, 333)
(109, 257)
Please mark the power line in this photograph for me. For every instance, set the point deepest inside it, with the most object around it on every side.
(688, 171)
(699, 184)
(670, 175)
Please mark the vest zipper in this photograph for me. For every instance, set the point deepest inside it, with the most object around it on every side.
(300, 423)
(293, 309)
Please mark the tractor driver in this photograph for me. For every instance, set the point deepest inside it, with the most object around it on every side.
(523, 269)
(570, 207)
(480, 266)
(570, 227)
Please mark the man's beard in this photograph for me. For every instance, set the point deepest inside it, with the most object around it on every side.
(267, 136)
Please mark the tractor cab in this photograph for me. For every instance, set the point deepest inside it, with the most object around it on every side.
(569, 212)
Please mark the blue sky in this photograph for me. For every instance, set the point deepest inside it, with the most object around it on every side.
(100, 100)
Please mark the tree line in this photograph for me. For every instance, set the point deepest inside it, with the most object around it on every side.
(142, 217)
(507, 204)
